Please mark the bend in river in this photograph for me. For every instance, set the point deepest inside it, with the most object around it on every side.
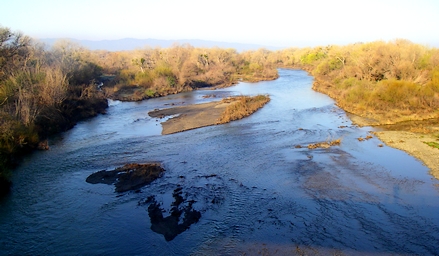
(251, 186)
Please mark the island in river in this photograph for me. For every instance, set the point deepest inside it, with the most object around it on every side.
(190, 117)
(207, 114)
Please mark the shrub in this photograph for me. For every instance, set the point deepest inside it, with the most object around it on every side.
(394, 91)
(163, 70)
(126, 75)
(150, 93)
(144, 79)
(242, 106)
(312, 57)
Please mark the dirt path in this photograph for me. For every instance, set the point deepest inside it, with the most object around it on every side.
(190, 117)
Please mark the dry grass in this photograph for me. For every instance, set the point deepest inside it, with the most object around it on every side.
(242, 106)
(387, 101)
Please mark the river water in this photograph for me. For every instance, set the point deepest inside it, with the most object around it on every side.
(256, 190)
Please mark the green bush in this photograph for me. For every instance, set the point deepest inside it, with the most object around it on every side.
(172, 80)
(348, 83)
(163, 70)
(150, 93)
(434, 83)
(144, 79)
(310, 58)
(126, 76)
(432, 144)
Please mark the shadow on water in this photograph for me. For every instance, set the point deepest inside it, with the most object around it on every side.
(245, 186)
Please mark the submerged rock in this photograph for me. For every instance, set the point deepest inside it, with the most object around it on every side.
(128, 177)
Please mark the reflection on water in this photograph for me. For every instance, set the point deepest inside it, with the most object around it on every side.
(255, 191)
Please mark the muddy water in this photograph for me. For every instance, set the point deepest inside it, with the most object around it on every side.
(255, 190)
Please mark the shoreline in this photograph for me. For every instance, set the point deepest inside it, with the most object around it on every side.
(413, 144)
(408, 137)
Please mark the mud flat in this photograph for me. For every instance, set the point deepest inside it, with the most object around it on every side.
(413, 143)
(403, 136)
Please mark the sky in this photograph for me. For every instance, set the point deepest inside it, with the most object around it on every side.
(277, 23)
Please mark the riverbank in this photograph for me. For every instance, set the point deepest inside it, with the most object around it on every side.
(411, 137)
(369, 80)
(50, 122)
(414, 144)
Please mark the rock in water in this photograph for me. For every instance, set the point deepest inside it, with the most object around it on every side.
(128, 177)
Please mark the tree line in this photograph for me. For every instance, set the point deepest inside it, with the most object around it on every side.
(153, 72)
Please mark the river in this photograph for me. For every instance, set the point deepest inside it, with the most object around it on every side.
(257, 191)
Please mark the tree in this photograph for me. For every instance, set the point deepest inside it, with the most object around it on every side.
(13, 51)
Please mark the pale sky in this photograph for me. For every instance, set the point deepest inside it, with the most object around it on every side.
(269, 22)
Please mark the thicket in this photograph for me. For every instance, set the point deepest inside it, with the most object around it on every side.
(41, 92)
(386, 81)
(147, 73)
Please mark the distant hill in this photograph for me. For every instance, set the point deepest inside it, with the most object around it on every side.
(132, 43)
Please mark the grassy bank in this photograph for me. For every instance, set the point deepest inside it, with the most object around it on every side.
(42, 92)
(385, 102)
(18, 140)
(241, 107)
(386, 82)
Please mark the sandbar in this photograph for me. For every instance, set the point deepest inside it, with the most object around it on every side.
(190, 117)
